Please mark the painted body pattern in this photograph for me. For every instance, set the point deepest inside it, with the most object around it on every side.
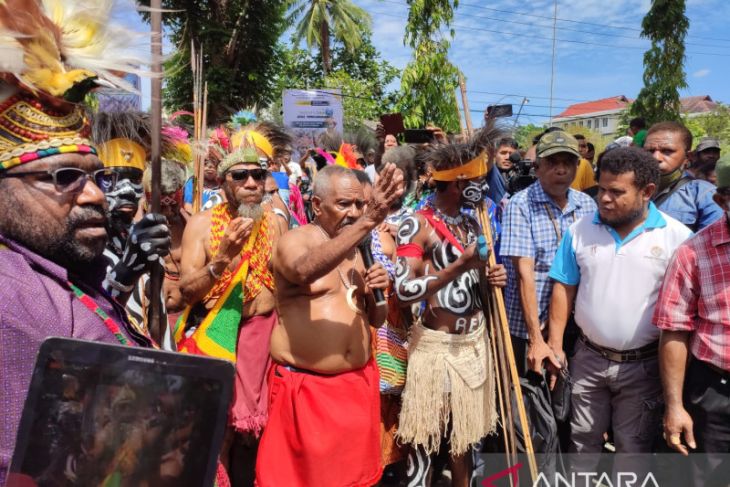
(460, 296)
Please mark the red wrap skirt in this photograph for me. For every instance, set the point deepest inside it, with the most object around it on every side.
(323, 430)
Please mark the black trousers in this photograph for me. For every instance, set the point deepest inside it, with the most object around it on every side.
(707, 400)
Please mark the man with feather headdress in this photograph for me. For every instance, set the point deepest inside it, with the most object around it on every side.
(134, 247)
(52, 217)
(226, 281)
(449, 395)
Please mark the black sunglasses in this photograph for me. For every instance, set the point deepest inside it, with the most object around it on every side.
(72, 179)
(258, 175)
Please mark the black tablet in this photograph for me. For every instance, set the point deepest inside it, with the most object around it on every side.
(114, 416)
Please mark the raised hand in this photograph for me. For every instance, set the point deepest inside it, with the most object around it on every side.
(148, 241)
(387, 190)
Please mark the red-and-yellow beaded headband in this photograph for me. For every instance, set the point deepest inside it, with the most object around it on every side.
(30, 130)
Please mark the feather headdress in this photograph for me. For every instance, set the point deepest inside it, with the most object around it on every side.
(64, 48)
(266, 137)
(52, 52)
(128, 130)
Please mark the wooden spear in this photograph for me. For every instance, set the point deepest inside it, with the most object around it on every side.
(506, 347)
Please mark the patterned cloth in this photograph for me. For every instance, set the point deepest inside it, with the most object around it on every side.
(377, 248)
(259, 274)
(35, 303)
(528, 231)
(695, 296)
(211, 196)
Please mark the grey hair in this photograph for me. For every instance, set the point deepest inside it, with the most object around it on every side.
(323, 180)
(172, 176)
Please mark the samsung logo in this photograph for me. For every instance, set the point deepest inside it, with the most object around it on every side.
(142, 359)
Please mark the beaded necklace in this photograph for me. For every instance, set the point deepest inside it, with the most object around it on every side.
(111, 325)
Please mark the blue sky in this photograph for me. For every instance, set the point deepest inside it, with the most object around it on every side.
(503, 52)
(496, 63)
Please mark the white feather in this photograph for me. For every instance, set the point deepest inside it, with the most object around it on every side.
(92, 40)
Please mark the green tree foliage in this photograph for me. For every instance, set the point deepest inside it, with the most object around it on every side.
(429, 81)
(715, 124)
(362, 76)
(665, 25)
(239, 41)
(524, 134)
(317, 21)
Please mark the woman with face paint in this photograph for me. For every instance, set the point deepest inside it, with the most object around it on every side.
(439, 266)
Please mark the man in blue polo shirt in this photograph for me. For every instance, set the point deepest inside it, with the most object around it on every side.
(611, 266)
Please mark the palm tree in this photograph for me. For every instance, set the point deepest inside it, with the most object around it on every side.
(317, 20)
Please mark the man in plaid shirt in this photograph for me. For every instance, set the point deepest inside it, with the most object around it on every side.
(693, 312)
(534, 221)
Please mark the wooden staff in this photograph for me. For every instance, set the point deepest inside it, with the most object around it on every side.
(155, 326)
(506, 346)
(462, 127)
(465, 104)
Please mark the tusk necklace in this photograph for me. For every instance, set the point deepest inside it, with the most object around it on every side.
(349, 286)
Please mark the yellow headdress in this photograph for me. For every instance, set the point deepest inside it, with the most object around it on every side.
(265, 137)
(252, 138)
(475, 168)
(122, 153)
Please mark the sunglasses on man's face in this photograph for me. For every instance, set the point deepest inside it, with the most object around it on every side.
(72, 179)
(258, 175)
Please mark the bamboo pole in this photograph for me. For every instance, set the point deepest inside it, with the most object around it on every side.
(200, 125)
(503, 335)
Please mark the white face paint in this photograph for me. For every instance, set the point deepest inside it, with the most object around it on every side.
(125, 193)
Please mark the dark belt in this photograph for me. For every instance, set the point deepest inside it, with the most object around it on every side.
(724, 374)
(633, 355)
(297, 370)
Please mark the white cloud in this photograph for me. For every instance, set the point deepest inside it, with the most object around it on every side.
(701, 73)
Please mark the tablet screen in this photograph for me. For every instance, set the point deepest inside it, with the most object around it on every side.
(113, 419)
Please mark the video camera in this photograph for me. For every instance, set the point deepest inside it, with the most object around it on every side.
(521, 175)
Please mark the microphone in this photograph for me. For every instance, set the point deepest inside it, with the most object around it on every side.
(367, 258)
(515, 157)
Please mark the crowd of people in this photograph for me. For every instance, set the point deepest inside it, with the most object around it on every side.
(347, 281)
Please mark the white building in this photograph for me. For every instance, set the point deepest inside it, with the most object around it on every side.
(602, 116)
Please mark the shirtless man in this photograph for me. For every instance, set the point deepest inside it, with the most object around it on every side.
(172, 181)
(449, 362)
(225, 267)
(324, 427)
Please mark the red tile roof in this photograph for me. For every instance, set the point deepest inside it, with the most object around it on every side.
(606, 104)
(697, 104)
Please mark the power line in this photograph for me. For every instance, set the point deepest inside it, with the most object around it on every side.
(562, 29)
(610, 46)
(475, 110)
(527, 105)
(525, 14)
(525, 96)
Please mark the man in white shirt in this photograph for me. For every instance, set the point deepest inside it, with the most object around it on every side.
(611, 265)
